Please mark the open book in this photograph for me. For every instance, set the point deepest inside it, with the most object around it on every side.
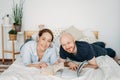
(80, 67)
(52, 69)
(71, 74)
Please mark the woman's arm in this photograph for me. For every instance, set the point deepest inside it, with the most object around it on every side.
(25, 54)
(38, 65)
(34, 65)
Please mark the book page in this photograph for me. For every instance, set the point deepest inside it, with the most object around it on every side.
(51, 70)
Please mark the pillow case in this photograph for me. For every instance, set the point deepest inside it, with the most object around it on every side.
(88, 36)
(35, 36)
(88, 39)
(77, 34)
(57, 33)
(88, 33)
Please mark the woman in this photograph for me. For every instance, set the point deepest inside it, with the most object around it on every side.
(39, 54)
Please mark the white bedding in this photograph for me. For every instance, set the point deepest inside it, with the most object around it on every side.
(108, 70)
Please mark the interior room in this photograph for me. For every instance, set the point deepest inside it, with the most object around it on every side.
(102, 16)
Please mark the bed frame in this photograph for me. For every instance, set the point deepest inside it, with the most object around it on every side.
(96, 34)
(29, 33)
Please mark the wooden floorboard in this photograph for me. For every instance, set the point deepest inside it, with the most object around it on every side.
(7, 61)
(5, 66)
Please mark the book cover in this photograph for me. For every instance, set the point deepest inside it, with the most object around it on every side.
(80, 67)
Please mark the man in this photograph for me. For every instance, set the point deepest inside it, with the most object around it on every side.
(79, 51)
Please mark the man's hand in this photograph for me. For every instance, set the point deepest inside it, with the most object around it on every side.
(73, 66)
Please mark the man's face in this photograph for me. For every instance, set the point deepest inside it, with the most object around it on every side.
(68, 44)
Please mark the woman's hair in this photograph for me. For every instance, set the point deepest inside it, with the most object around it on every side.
(44, 31)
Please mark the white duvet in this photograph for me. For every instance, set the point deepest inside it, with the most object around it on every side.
(108, 70)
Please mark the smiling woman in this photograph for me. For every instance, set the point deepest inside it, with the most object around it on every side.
(40, 53)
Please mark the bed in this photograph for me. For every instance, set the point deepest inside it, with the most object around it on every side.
(108, 68)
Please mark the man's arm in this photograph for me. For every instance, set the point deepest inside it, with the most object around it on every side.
(92, 63)
(69, 64)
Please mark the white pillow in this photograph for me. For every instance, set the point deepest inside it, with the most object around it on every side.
(88, 36)
(35, 36)
(88, 33)
(88, 39)
(57, 33)
(56, 41)
(74, 32)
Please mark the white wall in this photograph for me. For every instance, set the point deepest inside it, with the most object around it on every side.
(101, 15)
(5, 8)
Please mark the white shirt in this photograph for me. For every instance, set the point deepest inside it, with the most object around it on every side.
(29, 54)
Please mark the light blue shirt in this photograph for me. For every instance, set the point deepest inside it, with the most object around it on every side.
(29, 54)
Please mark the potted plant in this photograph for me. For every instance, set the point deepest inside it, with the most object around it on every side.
(17, 14)
(12, 34)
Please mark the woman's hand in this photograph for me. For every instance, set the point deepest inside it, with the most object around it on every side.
(38, 65)
(34, 65)
(43, 65)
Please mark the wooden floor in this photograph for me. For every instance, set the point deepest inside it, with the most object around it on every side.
(6, 62)
(4, 66)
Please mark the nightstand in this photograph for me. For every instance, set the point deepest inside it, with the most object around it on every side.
(5, 39)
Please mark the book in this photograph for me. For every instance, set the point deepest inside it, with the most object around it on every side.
(52, 69)
(82, 64)
(68, 74)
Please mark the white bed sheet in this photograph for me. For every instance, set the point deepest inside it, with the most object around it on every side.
(108, 70)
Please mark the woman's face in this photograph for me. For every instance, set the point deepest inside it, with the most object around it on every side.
(44, 41)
